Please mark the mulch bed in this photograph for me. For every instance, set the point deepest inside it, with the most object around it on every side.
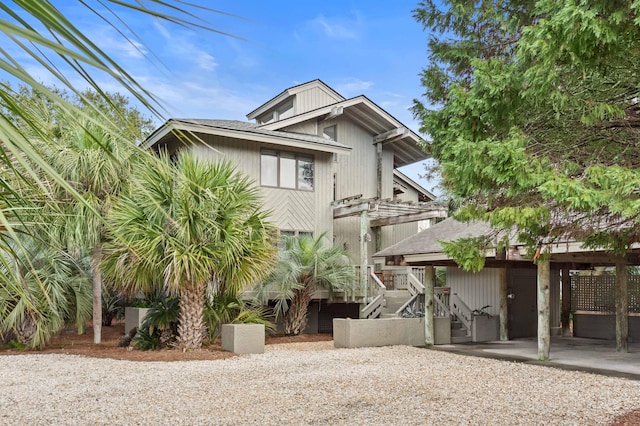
(69, 342)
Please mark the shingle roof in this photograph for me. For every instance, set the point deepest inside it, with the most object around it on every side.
(428, 241)
(245, 126)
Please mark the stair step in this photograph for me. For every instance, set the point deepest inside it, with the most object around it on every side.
(388, 316)
(456, 325)
(461, 339)
(459, 332)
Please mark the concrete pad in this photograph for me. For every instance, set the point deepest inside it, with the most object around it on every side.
(573, 353)
(243, 338)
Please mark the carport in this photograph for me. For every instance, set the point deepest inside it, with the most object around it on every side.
(566, 257)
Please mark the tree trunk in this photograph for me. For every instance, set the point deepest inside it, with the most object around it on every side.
(544, 331)
(429, 283)
(295, 320)
(504, 306)
(622, 306)
(191, 326)
(96, 255)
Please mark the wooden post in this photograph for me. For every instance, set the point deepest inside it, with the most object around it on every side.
(429, 284)
(622, 306)
(566, 301)
(364, 257)
(379, 169)
(544, 332)
(504, 313)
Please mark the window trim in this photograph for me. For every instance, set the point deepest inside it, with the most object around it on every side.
(335, 133)
(298, 157)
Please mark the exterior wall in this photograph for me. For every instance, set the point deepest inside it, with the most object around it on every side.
(313, 98)
(356, 173)
(482, 288)
(476, 289)
(597, 326)
(290, 209)
(308, 128)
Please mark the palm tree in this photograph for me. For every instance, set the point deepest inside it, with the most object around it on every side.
(96, 164)
(52, 291)
(305, 265)
(190, 225)
(39, 32)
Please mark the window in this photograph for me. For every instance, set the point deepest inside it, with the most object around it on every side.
(283, 169)
(283, 111)
(329, 133)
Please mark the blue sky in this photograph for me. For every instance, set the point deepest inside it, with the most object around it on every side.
(357, 47)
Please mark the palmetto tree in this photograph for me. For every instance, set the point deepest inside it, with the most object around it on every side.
(306, 264)
(50, 290)
(96, 164)
(190, 225)
(36, 32)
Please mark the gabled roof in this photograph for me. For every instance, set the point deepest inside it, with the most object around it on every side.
(317, 83)
(413, 184)
(366, 113)
(241, 130)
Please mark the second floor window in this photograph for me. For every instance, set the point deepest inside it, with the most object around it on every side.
(283, 169)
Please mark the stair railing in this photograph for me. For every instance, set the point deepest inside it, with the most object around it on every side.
(440, 309)
(461, 311)
(374, 308)
(413, 284)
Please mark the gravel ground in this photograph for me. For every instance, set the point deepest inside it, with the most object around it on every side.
(307, 383)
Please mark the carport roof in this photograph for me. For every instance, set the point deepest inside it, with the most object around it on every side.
(426, 247)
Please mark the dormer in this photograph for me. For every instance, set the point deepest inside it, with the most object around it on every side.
(295, 100)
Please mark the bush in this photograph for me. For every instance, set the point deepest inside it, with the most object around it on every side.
(160, 327)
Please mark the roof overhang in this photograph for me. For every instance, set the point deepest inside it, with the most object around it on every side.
(405, 143)
(188, 132)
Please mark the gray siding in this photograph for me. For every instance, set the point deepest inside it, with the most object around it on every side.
(476, 289)
(313, 98)
(356, 173)
(290, 209)
(308, 127)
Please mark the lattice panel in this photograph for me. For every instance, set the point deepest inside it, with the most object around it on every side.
(597, 293)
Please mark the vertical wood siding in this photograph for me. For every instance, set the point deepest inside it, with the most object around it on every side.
(356, 173)
(476, 289)
(308, 127)
(313, 98)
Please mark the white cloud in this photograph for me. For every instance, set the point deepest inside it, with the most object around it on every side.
(179, 44)
(205, 61)
(353, 87)
(338, 28)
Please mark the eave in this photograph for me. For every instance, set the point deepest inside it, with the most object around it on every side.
(187, 132)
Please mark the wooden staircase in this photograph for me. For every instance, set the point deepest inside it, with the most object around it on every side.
(393, 301)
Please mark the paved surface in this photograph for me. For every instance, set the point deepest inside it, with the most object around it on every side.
(571, 353)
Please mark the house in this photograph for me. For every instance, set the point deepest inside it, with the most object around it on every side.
(324, 163)
(509, 285)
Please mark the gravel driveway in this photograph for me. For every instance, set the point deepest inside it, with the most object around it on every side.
(307, 383)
